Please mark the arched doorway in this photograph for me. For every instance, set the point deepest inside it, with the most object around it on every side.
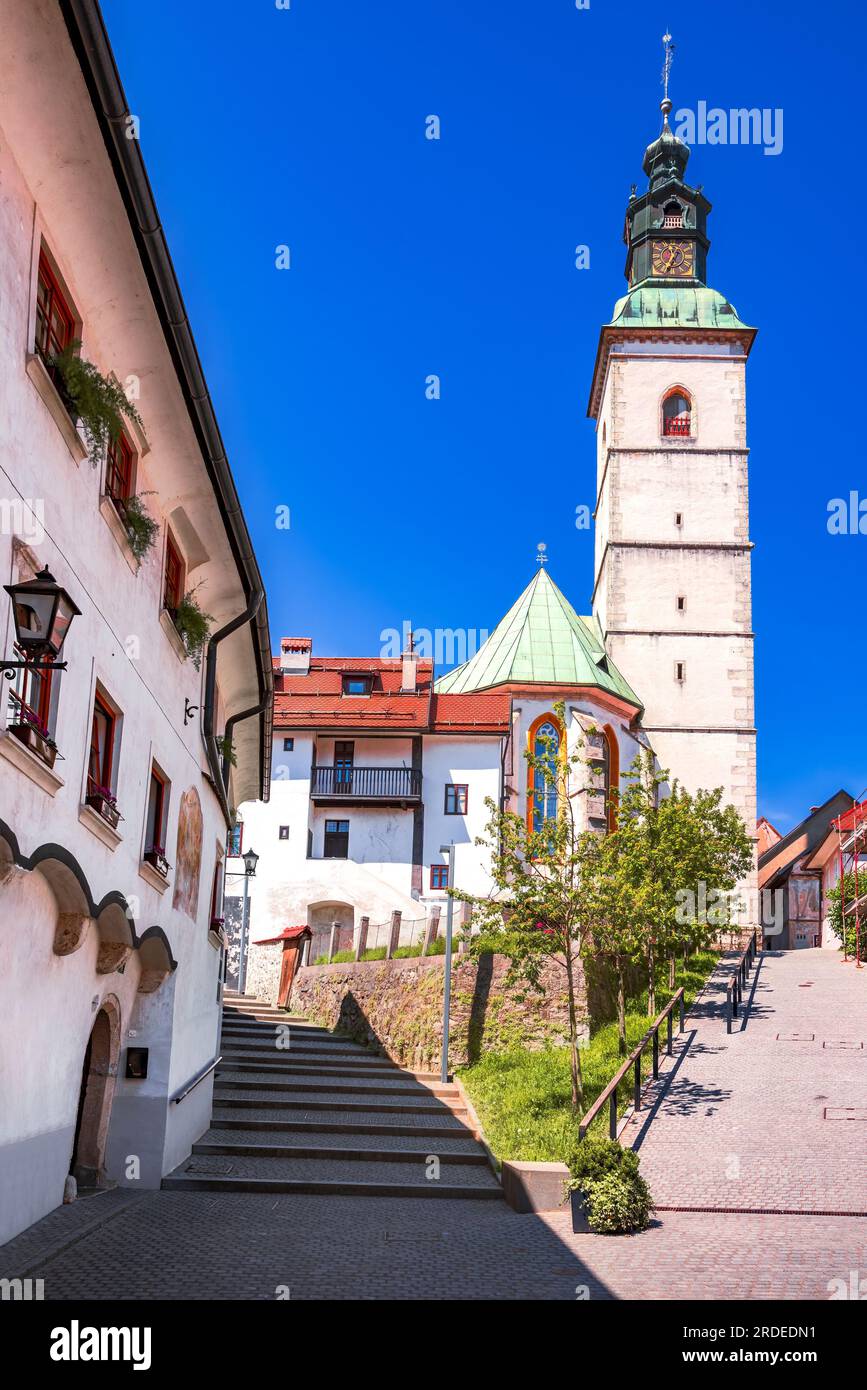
(98, 1079)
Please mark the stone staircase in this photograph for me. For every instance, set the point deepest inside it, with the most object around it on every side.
(326, 1115)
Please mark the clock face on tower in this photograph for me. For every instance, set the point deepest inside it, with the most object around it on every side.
(673, 258)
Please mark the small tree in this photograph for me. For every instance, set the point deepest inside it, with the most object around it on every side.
(681, 855)
(849, 894)
(538, 909)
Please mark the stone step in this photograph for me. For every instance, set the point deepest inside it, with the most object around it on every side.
(399, 1086)
(225, 1099)
(258, 1033)
(270, 1016)
(414, 1169)
(355, 1154)
(335, 1188)
(326, 1137)
(447, 1127)
(295, 1064)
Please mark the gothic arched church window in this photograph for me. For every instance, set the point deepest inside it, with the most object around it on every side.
(677, 414)
(610, 775)
(546, 746)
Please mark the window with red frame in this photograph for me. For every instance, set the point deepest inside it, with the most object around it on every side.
(55, 322)
(216, 884)
(102, 729)
(677, 415)
(120, 470)
(457, 796)
(31, 701)
(156, 814)
(439, 875)
(173, 587)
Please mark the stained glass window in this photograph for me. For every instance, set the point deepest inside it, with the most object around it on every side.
(546, 748)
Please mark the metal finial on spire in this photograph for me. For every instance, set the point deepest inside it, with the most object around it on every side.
(541, 558)
(666, 74)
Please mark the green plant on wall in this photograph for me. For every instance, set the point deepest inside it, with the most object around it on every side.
(193, 624)
(141, 529)
(226, 750)
(99, 402)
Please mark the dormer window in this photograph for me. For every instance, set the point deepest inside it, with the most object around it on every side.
(677, 414)
(357, 685)
(672, 215)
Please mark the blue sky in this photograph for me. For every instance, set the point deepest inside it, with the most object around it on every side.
(305, 127)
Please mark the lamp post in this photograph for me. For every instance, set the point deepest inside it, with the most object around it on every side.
(43, 612)
(447, 974)
(251, 859)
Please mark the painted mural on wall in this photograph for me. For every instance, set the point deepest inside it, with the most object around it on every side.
(188, 856)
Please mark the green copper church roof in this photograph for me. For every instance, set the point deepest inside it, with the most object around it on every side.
(541, 640)
(651, 305)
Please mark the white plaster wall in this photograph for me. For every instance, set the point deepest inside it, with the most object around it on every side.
(50, 147)
(476, 762)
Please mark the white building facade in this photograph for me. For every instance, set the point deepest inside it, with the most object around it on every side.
(115, 798)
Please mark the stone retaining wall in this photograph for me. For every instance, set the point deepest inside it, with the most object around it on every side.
(398, 1004)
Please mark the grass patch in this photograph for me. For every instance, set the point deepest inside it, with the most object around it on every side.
(374, 953)
(523, 1098)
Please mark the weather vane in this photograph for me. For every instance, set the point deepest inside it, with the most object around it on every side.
(541, 558)
(669, 58)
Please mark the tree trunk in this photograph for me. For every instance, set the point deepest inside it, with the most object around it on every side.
(651, 981)
(621, 1011)
(672, 971)
(574, 1058)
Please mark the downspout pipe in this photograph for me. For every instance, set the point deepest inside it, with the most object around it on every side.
(219, 768)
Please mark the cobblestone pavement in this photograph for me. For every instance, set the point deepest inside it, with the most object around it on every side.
(201, 1245)
(737, 1122)
(758, 1119)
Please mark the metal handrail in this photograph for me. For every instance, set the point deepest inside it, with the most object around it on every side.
(735, 986)
(191, 1086)
(634, 1060)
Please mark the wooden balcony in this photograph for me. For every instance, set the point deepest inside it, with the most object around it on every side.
(365, 785)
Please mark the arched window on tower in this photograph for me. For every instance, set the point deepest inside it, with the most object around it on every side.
(672, 215)
(610, 776)
(677, 414)
(545, 743)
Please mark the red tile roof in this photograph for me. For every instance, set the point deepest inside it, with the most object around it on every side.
(287, 934)
(315, 700)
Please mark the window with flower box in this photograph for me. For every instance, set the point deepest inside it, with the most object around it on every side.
(101, 765)
(173, 579)
(30, 713)
(156, 821)
(120, 472)
(55, 321)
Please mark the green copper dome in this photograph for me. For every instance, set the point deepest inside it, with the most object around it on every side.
(542, 641)
(651, 305)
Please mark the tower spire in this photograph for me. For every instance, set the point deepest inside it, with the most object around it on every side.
(665, 104)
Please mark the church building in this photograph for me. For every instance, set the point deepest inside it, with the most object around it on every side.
(377, 764)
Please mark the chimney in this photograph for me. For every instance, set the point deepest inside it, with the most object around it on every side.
(295, 655)
(409, 670)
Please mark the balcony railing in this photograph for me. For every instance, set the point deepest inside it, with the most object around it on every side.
(676, 424)
(366, 783)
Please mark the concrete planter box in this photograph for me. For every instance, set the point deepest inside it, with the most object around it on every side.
(580, 1222)
(37, 742)
(534, 1186)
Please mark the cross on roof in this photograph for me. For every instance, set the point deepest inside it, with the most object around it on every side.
(541, 558)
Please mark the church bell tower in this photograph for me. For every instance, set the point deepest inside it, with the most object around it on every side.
(672, 556)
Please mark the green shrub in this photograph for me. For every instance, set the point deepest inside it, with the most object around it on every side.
(374, 953)
(595, 1158)
(403, 952)
(193, 624)
(342, 957)
(437, 947)
(321, 960)
(618, 1204)
(99, 401)
(140, 526)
